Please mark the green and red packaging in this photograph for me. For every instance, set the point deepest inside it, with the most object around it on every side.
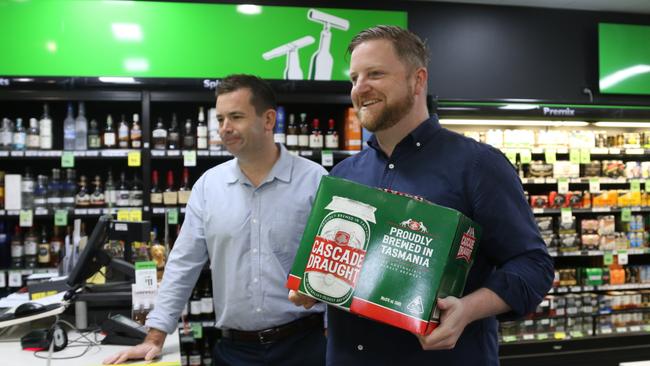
(383, 255)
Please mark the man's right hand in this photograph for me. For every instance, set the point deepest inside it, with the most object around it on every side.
(299, 299)
(147, 350)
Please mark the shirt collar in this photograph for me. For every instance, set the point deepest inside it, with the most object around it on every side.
(417, 138)
(281, 169)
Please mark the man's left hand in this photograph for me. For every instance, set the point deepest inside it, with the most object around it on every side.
(453, 320)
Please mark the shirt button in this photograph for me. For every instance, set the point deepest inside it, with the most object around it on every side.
(360, 347)
(259, 310)
(391, 166)
(255, 250)
(255, 280)
(254, 221)
(418, 144)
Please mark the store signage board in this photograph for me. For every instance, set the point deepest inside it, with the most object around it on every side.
(624, 66)
(152, 39)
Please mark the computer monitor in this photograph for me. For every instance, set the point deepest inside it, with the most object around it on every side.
(94, 257)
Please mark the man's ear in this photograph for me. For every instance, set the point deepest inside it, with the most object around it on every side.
(269, 119)
(421, 77)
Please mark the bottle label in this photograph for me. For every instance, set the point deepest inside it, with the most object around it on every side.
(135, 198)
(136, 144)
(27, 186)
(68, 200)
(44, 253)
(202, 142)
(16, 250)
(206, 305)
(156, 198)
(195, 307)
(303, 140)
(109, 139)
(332, 141)
(201, 131)
(170, 198)
(46, 141)
(183, 197)
(55, 246)
(123, 198)
(40, 201)
(5, 138)
(94, 142)
(195, 360)
(159, 134)
(316, 141)
(30, 247)
(292, 140)
(33, 141)
(279, 138)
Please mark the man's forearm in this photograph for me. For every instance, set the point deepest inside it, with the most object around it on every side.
(156, 337)
(483, 303)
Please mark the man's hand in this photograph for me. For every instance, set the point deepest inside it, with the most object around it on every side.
(453, 320)
(457, 313)
(149, 349)
(299, 299)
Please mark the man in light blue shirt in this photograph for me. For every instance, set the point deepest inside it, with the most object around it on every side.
(245, 216)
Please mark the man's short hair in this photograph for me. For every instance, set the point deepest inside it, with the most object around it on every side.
(262, 96)
(408, 46)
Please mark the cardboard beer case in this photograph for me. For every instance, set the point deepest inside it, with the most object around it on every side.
(383, 255)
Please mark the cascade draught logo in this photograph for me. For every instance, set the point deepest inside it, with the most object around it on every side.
(466, 247)
(338, 251)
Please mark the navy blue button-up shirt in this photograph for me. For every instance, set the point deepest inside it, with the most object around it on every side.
(457, 172)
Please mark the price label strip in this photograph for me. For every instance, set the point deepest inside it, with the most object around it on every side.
(26, 218)
(67, 159)
(549, 156)
(189, 158)
(134, 158)
(172, 216)
(61, 218)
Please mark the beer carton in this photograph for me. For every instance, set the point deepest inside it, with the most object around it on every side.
(382, 255)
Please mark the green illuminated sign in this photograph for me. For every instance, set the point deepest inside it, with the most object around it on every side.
(179, 40)
(624, 56)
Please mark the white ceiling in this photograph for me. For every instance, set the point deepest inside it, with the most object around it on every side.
(623, 6)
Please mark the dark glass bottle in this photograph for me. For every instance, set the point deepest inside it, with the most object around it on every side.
(159, 136)
(156, 196)
(173, 136)
(189, 139)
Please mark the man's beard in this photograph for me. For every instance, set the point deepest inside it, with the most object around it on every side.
(390, 115)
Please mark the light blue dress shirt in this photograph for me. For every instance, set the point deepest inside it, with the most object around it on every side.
(250, 235)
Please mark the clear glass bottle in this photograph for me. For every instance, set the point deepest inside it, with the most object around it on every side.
(27, 190)
(292, 133)
(19, 141)
(33, 135)
(45, 128)
(123, 134)
(40, 192)
(81, 129)
(110, 138)
(159, 136)
(17, 249)
(69, 130)
(136, 133)
(201, 132)
(6, 134)
(54, 191)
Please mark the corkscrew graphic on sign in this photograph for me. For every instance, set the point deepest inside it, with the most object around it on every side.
(320, 67)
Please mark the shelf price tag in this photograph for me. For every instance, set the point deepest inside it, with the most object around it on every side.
(512, 156)
(15, 279)
(61, 218)
(134, 158)
(197, 330)
(145, 275)
(542, 336)
(566, 215)
(67, 159)
(594, 185)
(646, 184)
(622, 257)
(562, 185)
(608, 258)
(626, 214)
(135, 215)
(327, 158)
(559, 335)
(576, 334)
(26, 218)
(635, 185)
(525, 156)
(585, 156)
(549, 156)
(507, 339)
(574, 156)
(189, 158)
(172, 216)
(123, 215)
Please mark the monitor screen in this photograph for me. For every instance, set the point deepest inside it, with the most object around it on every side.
(93, 257)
